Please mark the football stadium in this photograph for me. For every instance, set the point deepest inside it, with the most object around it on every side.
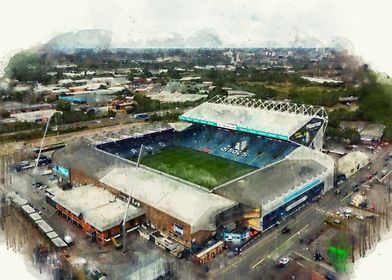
(231, 161)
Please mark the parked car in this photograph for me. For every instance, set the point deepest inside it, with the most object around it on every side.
(43, 160)
(282, 262)
(23, 166)
(329, 276)
(43, 187)
(285, 230)
(37, 184)
(54, 179)
(336, 222)
(318, 257)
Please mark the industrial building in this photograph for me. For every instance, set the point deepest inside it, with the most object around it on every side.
(350, 163)
(95, 211)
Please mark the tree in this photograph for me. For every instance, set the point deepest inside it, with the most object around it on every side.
(217, 91)
(4, 114)
(63, 106)
(27, 66)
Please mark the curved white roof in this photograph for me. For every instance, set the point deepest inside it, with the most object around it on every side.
(276, 119)
(255, 120)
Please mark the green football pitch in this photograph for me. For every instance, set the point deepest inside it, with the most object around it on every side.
(197, 167)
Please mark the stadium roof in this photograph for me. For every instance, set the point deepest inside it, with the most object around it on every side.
(271, 182)
(98, 207)
(267, 118)
(194, 206)
(179, 199)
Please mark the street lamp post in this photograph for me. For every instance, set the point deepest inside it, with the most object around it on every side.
(41, 145)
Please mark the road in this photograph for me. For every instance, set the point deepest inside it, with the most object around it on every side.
(256, 261)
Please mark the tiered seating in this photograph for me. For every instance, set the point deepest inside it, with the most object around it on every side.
(258, 151)
(129, 147)
(244, 148)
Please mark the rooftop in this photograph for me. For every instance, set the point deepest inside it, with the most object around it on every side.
(186, 203)
(373, 131)
(271, 182)
(98, 207)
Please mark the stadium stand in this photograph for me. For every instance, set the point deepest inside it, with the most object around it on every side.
(253, 150)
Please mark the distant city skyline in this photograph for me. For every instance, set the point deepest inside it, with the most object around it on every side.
(229, 23)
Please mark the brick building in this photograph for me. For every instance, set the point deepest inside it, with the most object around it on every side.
(95, 211)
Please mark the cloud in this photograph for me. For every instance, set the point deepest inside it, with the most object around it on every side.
(246, 23)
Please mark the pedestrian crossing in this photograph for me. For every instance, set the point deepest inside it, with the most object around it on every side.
(323, 211)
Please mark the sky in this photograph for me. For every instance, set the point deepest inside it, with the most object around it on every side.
(246, 23)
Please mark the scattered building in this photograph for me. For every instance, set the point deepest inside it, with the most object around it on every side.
(352, 162)
(372, 133)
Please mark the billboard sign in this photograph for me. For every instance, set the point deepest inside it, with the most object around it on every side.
(62, 171)
(306, 134)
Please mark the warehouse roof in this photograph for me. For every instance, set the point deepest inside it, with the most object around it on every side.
(189, 204)
(372, 132)
(272, 182)
(97, 206)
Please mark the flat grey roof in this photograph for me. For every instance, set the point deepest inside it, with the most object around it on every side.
(98, 207)
(271, 182)
(52, 235)
(28, 209)
(58, 242)
(44, 226)
(35, 216)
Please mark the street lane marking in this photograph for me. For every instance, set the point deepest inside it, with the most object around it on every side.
(386, 175)
(282, 244)
(346, 196)
(253, 267)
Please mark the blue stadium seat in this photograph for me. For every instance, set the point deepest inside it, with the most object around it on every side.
(258, 151)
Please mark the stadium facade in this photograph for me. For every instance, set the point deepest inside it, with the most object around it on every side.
(281, 142)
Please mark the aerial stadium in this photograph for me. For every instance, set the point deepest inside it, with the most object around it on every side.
(232, 160)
